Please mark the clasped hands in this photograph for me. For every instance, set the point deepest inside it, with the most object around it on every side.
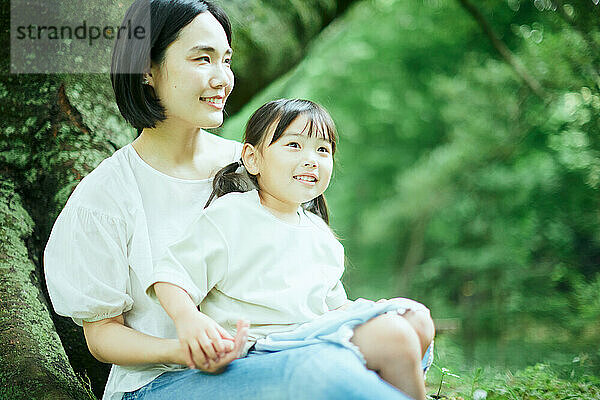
(207, 345)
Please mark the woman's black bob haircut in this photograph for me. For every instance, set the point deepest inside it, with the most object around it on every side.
(132, 57)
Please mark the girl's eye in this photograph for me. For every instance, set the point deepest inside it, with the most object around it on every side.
(294, 145)
(324, 149)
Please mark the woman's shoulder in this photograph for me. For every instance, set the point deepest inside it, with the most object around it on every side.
(107, 187)
(231, 149)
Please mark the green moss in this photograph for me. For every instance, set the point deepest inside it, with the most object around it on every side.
(33, 362)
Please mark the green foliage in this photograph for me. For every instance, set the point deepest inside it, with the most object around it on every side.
(454, 184)
(539, 382)
(542, 381)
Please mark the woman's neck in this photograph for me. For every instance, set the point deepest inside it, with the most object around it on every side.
(182, 153)
(169, 143)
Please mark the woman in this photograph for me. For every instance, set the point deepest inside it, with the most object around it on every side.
(142, 198)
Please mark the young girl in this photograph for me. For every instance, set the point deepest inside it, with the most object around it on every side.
(268, 255)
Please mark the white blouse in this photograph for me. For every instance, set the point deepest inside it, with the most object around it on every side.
(102, 245)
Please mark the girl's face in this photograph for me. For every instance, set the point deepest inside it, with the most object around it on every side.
(293, 170)
(195, 78)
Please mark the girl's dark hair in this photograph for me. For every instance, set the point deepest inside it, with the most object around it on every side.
(279, 114)
(131, 56)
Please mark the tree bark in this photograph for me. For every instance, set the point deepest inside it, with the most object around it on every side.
(54, 129)
(33, 362)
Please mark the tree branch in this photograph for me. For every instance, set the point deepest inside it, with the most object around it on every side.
(504, 51)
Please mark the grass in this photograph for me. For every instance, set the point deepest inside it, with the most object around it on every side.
(453, 378)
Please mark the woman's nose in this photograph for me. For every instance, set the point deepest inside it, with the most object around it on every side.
(220, 78)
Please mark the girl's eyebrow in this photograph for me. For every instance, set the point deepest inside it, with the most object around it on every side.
(304, 136)
(208, 49)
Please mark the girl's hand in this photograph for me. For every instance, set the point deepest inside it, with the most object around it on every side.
(202, 339)
(240, 340)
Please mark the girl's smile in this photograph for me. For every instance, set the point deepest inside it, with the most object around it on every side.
(307, 179)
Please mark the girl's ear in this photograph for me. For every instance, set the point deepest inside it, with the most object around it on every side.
(250, 159)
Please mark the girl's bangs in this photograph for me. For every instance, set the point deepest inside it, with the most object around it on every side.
(319, 122)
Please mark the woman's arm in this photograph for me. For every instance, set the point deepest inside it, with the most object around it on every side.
(110, 341)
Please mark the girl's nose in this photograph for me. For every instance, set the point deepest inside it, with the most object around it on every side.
(310, 164)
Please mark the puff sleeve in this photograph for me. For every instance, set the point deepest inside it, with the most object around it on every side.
(196, 263)
(86, 266)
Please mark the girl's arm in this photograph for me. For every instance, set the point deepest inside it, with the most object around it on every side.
(110, 341)
(202, 339)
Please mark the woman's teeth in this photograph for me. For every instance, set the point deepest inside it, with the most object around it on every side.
(212, 100)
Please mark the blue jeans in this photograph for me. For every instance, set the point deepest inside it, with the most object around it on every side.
(321, 371)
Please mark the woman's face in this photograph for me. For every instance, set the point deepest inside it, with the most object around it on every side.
(195, 77)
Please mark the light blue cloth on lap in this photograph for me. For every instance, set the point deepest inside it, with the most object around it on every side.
(338, 327)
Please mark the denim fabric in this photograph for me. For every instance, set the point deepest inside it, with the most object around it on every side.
(321, 371)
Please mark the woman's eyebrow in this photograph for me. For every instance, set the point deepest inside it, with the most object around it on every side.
(208, 49)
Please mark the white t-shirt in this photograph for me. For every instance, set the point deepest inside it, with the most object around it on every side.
(103, 242)
(239, 261)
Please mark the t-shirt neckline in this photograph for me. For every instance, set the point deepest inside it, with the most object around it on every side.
(150, 168)
(303, 218)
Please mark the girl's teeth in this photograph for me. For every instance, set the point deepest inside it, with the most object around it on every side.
(305, 178)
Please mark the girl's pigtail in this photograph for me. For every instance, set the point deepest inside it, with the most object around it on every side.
(227, 180)
(318, 206)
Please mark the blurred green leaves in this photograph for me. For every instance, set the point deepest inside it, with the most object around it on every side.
(454, 184)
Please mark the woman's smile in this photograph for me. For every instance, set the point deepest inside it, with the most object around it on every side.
(217, 102)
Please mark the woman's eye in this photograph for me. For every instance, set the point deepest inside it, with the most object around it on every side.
(227, 61)
(203, 58)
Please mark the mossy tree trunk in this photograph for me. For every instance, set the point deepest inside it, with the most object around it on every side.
(54, 129)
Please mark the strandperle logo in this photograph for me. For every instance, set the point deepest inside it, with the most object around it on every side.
(80, 32)
(72, 36)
